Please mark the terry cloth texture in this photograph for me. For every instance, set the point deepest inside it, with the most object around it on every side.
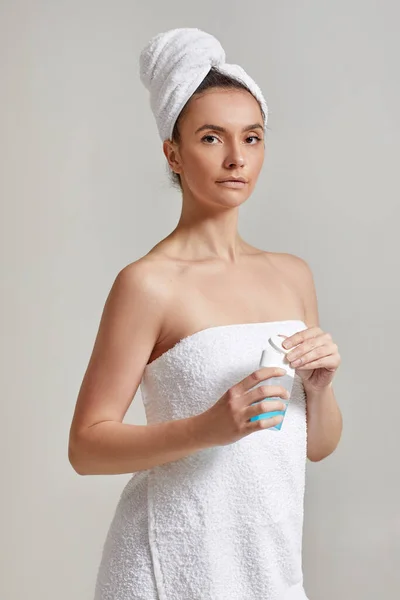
(226, 522)
(174, 63)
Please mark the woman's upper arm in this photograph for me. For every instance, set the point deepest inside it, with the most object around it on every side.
(128, 330)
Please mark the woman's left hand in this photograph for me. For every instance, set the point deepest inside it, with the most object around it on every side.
(316, 357)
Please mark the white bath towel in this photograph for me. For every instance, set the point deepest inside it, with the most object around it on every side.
(172, 66)
(224, 523)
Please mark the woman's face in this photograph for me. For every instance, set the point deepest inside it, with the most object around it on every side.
(222, 136)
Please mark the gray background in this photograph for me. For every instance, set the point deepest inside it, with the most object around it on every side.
(84, 192)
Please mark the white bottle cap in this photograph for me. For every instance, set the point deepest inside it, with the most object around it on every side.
(275, 356)
(276, 342)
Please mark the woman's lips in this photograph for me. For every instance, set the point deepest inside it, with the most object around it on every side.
(232, 184)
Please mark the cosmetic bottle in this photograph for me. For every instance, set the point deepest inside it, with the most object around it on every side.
(274, 355)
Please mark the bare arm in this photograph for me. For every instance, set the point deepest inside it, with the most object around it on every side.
(324, 418)
(324, 423)
(99, 442)
(111, 448)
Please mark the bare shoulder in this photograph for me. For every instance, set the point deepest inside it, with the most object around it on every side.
(149, 285)
(145, 276)
(151, 276)
(293, 265)
(301, 276)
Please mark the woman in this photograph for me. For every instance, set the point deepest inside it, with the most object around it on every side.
(214, 509)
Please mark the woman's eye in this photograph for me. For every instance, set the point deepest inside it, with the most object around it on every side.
(208, 136)
(254, 137)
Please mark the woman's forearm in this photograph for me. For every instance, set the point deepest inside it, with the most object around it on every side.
(111, 447)
(324, 423)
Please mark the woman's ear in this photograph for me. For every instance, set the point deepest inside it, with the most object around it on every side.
(171, 152)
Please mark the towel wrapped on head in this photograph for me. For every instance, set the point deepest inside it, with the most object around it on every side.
(172, 66)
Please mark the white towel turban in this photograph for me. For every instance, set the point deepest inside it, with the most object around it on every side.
(172, 66)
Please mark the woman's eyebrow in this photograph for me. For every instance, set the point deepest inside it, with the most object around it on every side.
(223, 130)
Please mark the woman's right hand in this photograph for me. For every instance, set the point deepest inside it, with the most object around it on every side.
(228, 420)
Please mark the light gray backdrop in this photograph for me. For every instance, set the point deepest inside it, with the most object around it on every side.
(84, 192)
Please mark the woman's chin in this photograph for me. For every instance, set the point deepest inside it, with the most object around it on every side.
(232, 197)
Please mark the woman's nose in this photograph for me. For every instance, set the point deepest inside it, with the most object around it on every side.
(235, 157)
